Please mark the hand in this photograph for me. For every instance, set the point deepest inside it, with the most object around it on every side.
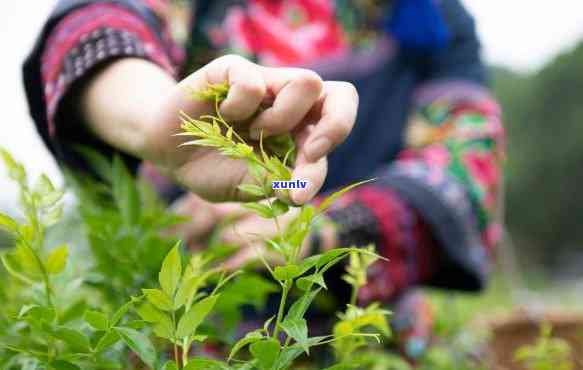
(319, 114)
(202, 217)
(130, 108)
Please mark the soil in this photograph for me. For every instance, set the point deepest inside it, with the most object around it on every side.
(520, 328)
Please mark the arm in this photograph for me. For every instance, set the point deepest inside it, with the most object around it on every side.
(133, 106)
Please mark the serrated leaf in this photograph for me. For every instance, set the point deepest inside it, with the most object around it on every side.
(251, 189)
(248, 339)
(328, 201)
(140, 345)
(57, 260)
(74, 338)
(197, 313)
(266, 352)
(171, 271)
(97, 320)
(8, 224)
(287, 272)
(298, 330)
(159, 299)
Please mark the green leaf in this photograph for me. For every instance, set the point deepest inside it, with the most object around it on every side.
(140, 344)
(74, 338)
(188, 289)
(125, 191)
(53, 216)
(299, 308)
(107, 340)
(266, 352)
(205, 364)
(120, 313)
(334, 196)
(99, 163)
(192, 319)
(43, 186)
(57, 260)
(342, 367)
(298, 330)
(14, 268)
(251, 189)
(63, 365)
(170, 365)
(306, 282)
(288, 272)
(171, 271)
(148, 312)
(249, 338)
(27, 260)
(260, 209)
(159, 299)
(279, 207)
(96, 319)
(8, 224)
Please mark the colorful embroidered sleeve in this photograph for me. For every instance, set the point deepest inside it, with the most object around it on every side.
(433, 212)
(79, 38)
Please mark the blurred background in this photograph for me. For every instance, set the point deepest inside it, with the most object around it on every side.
(535, 50)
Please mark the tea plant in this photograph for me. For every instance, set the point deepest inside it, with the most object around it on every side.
(122, 311)
(547, 353)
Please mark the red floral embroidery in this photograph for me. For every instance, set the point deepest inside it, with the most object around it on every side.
(286, 32)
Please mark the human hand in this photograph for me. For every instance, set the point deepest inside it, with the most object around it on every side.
(318, 114)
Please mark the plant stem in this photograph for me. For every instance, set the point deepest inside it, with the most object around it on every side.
(284, 293)
(176, 357)
(354, 296)
(185, 351)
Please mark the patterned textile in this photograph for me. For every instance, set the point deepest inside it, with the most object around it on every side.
(427, 126)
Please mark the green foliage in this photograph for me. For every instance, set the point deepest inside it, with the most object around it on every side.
(124, 223)
(547, 353)
(142, 294)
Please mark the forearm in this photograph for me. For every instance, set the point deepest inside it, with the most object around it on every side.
(119, 101)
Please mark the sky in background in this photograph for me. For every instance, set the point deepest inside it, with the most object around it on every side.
(519, 34)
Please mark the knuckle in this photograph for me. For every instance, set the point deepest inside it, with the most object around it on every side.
(341, 127)
(310, 81)
(232, 59)
(347, 87)
(253, 90)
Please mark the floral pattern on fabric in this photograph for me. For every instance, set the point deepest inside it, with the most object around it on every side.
(463, 138)
(285, 33)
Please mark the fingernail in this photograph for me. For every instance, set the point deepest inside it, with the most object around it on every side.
(302, 196)
(317, 148)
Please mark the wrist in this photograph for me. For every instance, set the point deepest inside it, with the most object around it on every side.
(121, 103)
